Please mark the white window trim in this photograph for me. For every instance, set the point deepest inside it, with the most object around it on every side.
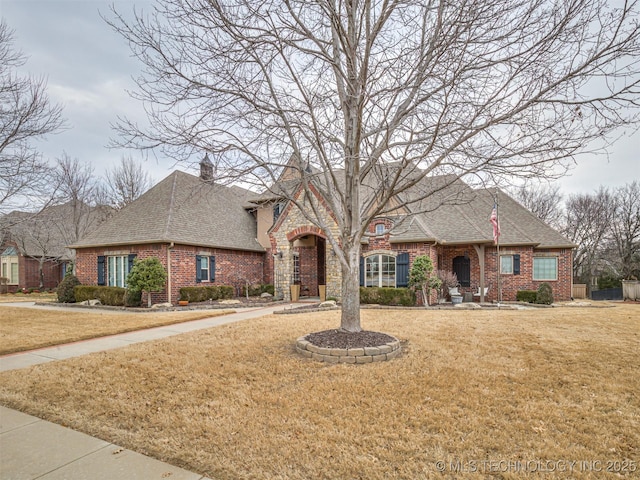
(510, 272)
(533, 273)
(204, 259)
(379, 255)
(7, 262)
(115, 277)
(380, 229)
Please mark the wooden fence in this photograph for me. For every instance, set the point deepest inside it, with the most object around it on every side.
(631, 289)
(579, 290)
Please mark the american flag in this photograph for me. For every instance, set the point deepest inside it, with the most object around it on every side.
(496, 225)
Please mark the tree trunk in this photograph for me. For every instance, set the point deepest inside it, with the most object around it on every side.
(41, 273)
(350, 320)
(149, 299)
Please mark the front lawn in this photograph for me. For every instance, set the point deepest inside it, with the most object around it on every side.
(23, 328)
(486, 390)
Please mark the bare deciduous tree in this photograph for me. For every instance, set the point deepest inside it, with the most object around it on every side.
(625, 233)
(544, 201)
(587, 224)
(77, 189)
(25, 115)
(126, 182)
(380, 92)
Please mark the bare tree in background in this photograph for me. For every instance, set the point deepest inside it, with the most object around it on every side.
(625, 234)
(543, 200)
(126, 182)
(25, 115)
(380, 92)
(587, 224)
(77, 189)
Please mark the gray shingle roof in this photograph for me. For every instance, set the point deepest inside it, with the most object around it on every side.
(182, 209)
(452, 213)
(465, 219)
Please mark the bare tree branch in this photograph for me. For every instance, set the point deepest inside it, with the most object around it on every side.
(25, 115)
(381, 93)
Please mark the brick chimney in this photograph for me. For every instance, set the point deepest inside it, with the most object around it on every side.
(206, 169)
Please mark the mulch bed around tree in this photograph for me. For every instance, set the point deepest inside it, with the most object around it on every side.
(339, 339)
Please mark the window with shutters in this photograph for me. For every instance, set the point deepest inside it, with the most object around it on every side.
(205, 268)
(117, 270)
(510, 264)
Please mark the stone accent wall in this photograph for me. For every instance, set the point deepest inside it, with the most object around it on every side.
(290, 226)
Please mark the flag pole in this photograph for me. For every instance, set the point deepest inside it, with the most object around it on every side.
(498, 250)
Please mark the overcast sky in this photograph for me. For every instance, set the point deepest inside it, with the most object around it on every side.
(89, 67)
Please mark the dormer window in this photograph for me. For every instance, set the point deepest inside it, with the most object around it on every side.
(277, 210)
(380, 229)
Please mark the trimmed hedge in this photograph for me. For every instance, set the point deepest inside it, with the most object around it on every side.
(209, 292)
(107, 295)
(528, 296)
(388, 296)
(258, 289)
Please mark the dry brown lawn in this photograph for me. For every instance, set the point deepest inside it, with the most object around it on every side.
(23, 328)
(510, 394)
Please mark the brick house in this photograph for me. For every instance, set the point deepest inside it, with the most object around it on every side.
(200, 232)
(452, 227)
(208, 233)
(32, 251)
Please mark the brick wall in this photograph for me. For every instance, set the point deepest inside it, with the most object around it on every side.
(29, 273)
(232, 267)
(511, 283)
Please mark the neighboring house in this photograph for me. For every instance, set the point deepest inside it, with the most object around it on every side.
(33, 253)
(208, 233)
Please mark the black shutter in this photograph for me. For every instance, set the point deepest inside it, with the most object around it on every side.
(516, 264)
(402, 270)
(198, 269)
(212, 269)
(130, 260)
(101, 270)
(362, 271)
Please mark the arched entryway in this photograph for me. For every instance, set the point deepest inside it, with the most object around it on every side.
(309, 264)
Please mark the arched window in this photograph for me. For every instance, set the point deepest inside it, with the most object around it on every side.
(380, 271)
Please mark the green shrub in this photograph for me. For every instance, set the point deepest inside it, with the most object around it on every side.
(528, 296)
(147, 275)
(65, 290)
(388, 296)
(114, 296)
(544, 295)
(209, 292)
(133, 298)
(258, 289)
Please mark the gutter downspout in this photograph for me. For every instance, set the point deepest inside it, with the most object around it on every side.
(169, 291)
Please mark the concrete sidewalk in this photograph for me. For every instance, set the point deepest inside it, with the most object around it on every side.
(14, 361)
(31, 448)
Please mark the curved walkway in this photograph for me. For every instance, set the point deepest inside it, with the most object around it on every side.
(31, 448)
